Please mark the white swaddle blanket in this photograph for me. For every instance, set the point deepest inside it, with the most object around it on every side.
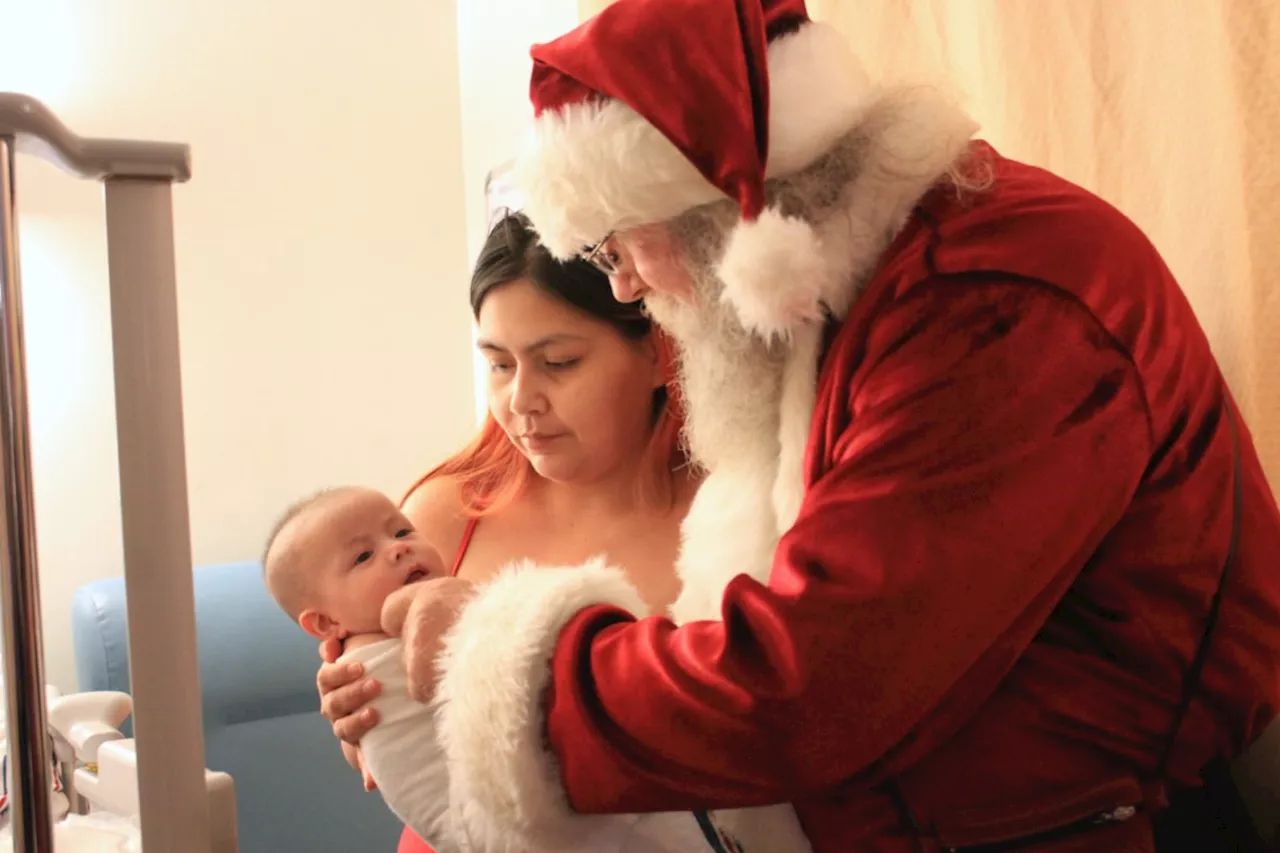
(95, 833)
(405, 760)
(400, 752)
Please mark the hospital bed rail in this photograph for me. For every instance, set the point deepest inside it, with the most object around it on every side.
(137, 178)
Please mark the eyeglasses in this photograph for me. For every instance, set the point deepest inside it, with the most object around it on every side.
(602, 257)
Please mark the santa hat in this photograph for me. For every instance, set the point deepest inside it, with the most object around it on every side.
(653, 107)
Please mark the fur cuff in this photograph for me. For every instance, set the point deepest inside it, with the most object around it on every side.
(505, 788)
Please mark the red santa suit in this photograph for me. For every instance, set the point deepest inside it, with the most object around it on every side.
(958, 603)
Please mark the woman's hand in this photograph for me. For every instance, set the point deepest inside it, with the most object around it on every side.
(369, 784)
(421, 616)
(332, 678)
(344, 691)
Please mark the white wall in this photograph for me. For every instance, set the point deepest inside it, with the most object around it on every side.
(322, 259)
(494, 37)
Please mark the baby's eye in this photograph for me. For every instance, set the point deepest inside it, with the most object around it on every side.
(495, 367)
(400, 534)
(563, 365)
(363, 556)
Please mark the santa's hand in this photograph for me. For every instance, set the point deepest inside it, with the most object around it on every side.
(421, 620)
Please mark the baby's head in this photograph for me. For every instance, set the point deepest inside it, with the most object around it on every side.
(334, 558)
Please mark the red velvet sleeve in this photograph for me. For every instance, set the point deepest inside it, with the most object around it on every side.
(990, 435)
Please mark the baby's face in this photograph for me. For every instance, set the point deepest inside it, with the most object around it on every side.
(358, 548)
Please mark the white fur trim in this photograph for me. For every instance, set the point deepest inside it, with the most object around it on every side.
(592, 168)
(742, 508)
(818, 91)
(595, 167)
(799, 395)
(774, 273)
(729, 531)
(505, 789)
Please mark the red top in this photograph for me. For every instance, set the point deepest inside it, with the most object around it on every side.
(411, 843)
(467, 533)
(1018, 503)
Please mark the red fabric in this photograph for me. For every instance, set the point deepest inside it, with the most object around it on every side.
(461, 553)
(1018, 505)
(694, 69)
(411, 843)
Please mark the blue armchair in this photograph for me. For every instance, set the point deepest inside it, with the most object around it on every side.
(262, 725)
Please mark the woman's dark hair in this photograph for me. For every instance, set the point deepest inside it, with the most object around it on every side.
(512, 252)
(491, 471)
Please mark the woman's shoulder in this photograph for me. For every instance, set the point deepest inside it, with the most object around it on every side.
(434, 506)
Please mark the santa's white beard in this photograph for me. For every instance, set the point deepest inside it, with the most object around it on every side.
(731, 381)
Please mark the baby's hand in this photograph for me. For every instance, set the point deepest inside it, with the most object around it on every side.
(395, 606)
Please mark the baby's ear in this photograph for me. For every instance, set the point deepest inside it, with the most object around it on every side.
(318, 625)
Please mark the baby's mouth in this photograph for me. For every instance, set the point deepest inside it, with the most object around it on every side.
(415, 576)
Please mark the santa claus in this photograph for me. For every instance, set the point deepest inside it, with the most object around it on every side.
(976, 497)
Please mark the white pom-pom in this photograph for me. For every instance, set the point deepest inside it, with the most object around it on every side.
(775, 274)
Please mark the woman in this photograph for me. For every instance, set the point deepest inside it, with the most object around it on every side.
(579, 454)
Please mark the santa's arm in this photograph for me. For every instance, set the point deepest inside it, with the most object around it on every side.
(505, 794)
(998, 434)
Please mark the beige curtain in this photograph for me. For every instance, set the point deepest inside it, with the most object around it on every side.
(1170, 111)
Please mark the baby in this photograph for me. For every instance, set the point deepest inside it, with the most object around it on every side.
(331, 563)
(335, 558)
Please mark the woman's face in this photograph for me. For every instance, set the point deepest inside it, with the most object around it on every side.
(573, 394)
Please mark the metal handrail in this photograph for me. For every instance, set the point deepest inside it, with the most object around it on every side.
(138, 177)
(40, 133)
